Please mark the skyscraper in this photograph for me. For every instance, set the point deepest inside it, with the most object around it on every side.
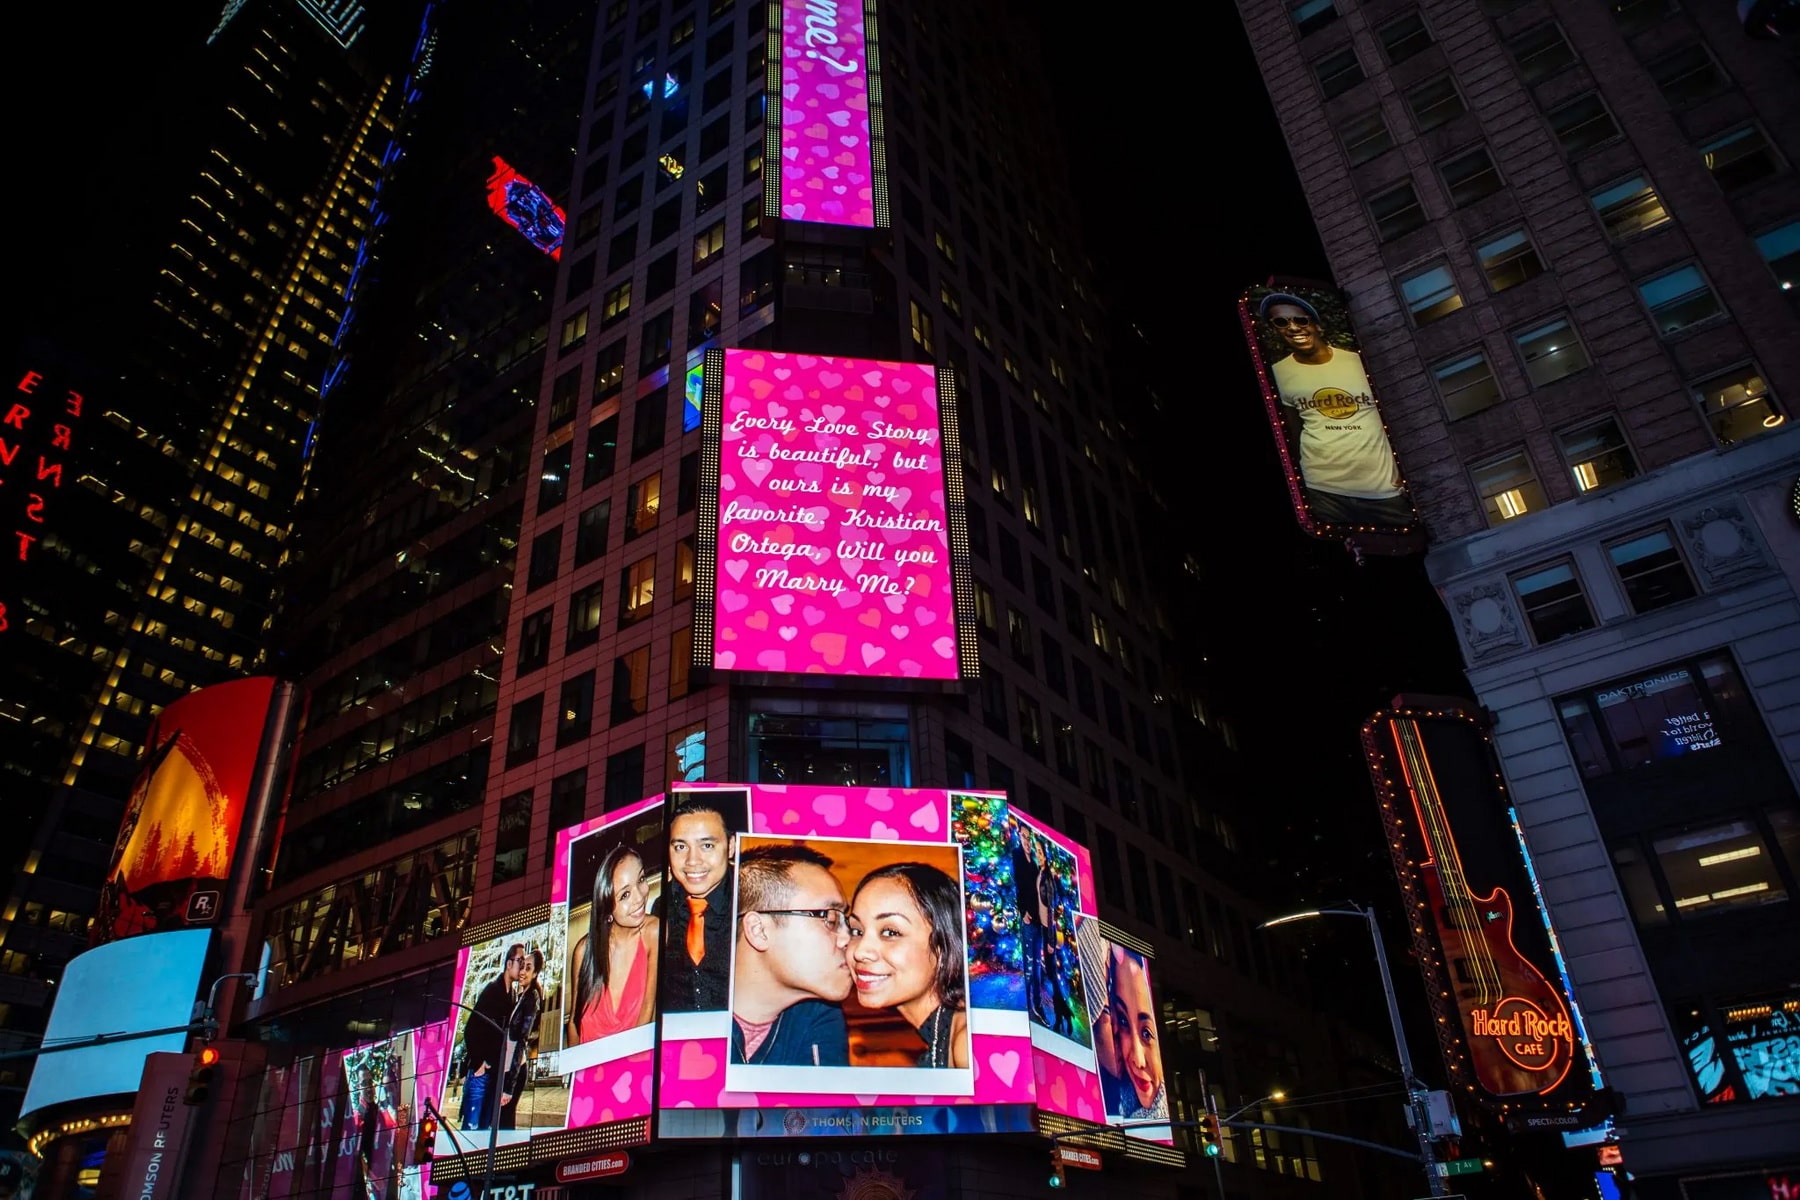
(1569, 232)
(154, 570)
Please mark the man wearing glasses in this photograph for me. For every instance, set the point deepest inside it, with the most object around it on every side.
(1333, 428)
(485, 1046)
(792, 971)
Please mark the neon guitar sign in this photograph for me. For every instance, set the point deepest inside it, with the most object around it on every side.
(1514, 1021)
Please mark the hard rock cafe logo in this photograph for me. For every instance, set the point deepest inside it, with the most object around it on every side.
(1525, 1033)
(1334, 403)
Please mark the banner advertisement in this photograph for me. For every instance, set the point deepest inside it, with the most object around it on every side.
(1342, 474)
(173, 855)
(832, 539)
(1127, 1038)
(386, 1084)
(158, 1130)
(869, 961)
(1485, 941)
(823, 134)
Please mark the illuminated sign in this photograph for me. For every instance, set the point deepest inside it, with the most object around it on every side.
(824, 154)
(1127, 1033)
(173, 855)
(1761, 1042)
(37, 434)
(832, 537)
(862, 961)
(1480, 937)
(386, 1084)
(525, 206)
(1342, 474)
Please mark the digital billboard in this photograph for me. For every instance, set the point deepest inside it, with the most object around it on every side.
(824, 157)
(1127, 1037)
(131, 986)
(860, 961)
(832, 539)
(1342, 474)
(173, 855)
(527, 208)
(386, 1084)
(1481, 936)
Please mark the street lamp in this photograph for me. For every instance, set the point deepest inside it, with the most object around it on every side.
(1415, 1091)
(487, 1183)
(1277, 1096)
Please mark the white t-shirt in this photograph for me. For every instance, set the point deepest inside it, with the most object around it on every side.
(1343, 448)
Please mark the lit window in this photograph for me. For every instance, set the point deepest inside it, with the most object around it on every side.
(1651, 570)
(643, 505)
(637, 590)
(1551, 351)
(1509, 260)
(1740, 157)
(1719, 867)
(574, 330)
(1780, 248)
(617, 304)
(1509, 488)
(1629, 208)
(1430, 294)
(1679, 299)
(1467, 384)
(1553, 602)
(1598, 455)
(1738, 405)
(944, 246)
(921, 326)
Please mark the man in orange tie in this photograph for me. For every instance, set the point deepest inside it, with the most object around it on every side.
(698, 965)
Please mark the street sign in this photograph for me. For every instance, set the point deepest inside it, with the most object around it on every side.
(1078, 1156)
(1460, 1166)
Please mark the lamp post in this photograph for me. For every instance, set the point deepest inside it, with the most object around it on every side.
(499, 1069)
(1415, 1091)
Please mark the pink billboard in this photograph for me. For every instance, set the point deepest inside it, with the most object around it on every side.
(827, 169)
(886, 961)
(829, 527)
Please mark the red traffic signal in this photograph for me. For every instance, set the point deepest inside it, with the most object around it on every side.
(199, 1084)
(423, 1148)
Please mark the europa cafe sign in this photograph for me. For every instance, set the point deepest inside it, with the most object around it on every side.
(36, 435)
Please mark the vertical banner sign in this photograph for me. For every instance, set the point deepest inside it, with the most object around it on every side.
(159, 1122)
(1342, 474)
(37, 435)
(823, 137)
(831, 533)
(1482, 939)
(173, 855)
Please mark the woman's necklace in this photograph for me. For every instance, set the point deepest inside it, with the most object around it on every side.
(937, 1032)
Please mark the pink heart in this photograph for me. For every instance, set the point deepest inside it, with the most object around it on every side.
(733, 601)
(1004, 1064)
(772, 660)
(736, 567)
(925, 818)
(782, 604)
(621, 1088)
(757, 469)
(881, 831)
(872, 654)
(812, 615)
(694, 1062)
(830, 807)
(945, 646)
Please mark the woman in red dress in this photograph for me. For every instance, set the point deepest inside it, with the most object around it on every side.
(615, 990)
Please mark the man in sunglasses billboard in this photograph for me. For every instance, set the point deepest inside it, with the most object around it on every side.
(1333, 427)
(790, 972)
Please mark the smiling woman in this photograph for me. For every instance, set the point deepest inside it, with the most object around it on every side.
(906, 952)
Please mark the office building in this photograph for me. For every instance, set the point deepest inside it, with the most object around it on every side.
(1570, 232)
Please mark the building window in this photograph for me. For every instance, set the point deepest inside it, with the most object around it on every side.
(1635, 16)
(655, 347)
(1679, 300)
(684, 569)
(609, 370)
(1540, 51)
(512, 837)
(1740, 157)
(1509, 260)
(1467, 384)
(1738, 405)
(1338, 72)
(1551, 351)
(708, 242)
(553, 474)
(1311, 15)
(1651, 570)
(1366, 136)
(802, 745)
(1582, 123)
(584, 616)
(574, 330)
(602, 450)
(1780, 248)
(1598, 455)
(1553, 602)
(522, 730)
(575, 709)
(1396, 211)
(1435, 102)
(643, 505)
(1687, 74)
(631, 685)
(637, 590)
(1403, 37)
(1031, 726)
(1430, 294)
(565, 394)
(659, 278)
(546, 559)
(1470, 176)
(624, 778)
(1508, 488)
(615, 306)
(921, 326)
(649, 423)
(591, 532)
(1629, 207)
(1659, 717)
(681, 661)
(534, 641)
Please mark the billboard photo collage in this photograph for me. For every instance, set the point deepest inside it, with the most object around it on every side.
(772, 961)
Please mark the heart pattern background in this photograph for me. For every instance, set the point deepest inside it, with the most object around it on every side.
(776, 608)
(827, 168)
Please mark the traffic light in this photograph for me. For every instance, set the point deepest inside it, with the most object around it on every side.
(1057, 1179)
(1210, 1144)
(422, 1150)
(199, 1082)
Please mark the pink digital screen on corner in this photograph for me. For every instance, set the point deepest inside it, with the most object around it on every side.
(833, 542)
(827, 166)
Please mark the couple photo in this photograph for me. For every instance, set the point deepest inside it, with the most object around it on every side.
(511, 985)
(848, 955)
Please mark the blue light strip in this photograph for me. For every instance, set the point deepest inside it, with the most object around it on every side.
(1562, 968)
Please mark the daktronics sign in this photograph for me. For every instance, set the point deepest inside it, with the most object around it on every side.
(824, 126)
(831, 536)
